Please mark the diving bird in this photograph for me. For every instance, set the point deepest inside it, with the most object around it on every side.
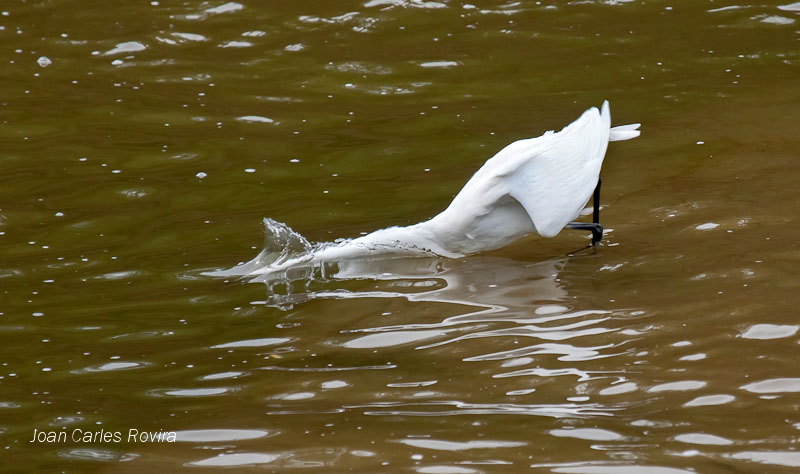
(532, 185)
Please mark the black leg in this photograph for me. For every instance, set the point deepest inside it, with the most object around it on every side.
(596, 204)
(595, 227)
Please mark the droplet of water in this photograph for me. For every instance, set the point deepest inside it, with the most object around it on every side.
(707, 226)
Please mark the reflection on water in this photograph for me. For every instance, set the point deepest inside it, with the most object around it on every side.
(493, 298)
(513, 320)
(295, 270)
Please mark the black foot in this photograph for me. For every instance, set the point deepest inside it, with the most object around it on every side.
(596, 228)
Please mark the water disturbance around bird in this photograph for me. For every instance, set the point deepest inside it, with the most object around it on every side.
(532, 185)
(288, 268)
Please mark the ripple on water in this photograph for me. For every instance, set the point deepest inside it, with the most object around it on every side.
(362, 453)
(651, 423)
(218, 435)
(236, 459)
(781, 385)
(590, 434)
(329, 369)
(90, 454)
(236, 44)
(439, 64)
(333, 384)
(126, 47)
(617, 469)
(225, 8)
(710, 400)
(389, 89)
(550, 309)
(681, 386)
(120, 275)
(693, 357)
(446, 470)
(773, 19)
(443, 445)
(522, 391)
(619, 388)
(255, 119)
(262, 342)
(360, 68)
(425, 383)
(110, 366)
(792, 7)
(405, 4)
(223, 375)
(340, 19)
(566, 352)
(294, 396)
(229, 7)
(65, 420)
(191, 392)
(142, 335)
(132, 193)
(779, 458)
(516, 362)
(188, 36)
(707, 226)
(393, 338)
(703, 438)
(769, 331)
(459, 408)
(546, 373)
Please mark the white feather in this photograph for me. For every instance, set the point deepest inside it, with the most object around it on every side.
(624, 132)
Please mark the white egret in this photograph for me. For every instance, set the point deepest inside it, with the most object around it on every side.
(533, 185)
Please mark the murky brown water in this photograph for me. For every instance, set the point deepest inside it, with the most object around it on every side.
(143, 142)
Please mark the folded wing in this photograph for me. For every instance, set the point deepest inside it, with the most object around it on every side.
(555, 181)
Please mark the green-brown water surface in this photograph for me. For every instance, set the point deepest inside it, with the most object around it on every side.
(142, 143)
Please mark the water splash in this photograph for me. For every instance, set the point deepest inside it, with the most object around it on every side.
(281, 244)
(296, 270)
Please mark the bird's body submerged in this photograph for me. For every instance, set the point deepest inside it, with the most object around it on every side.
(532, 185)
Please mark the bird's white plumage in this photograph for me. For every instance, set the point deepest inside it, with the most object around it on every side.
(532, 185)
(550, 177)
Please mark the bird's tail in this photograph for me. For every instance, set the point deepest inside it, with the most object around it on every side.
(624, 132)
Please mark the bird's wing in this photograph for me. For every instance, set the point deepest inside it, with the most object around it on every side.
(557, 175)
